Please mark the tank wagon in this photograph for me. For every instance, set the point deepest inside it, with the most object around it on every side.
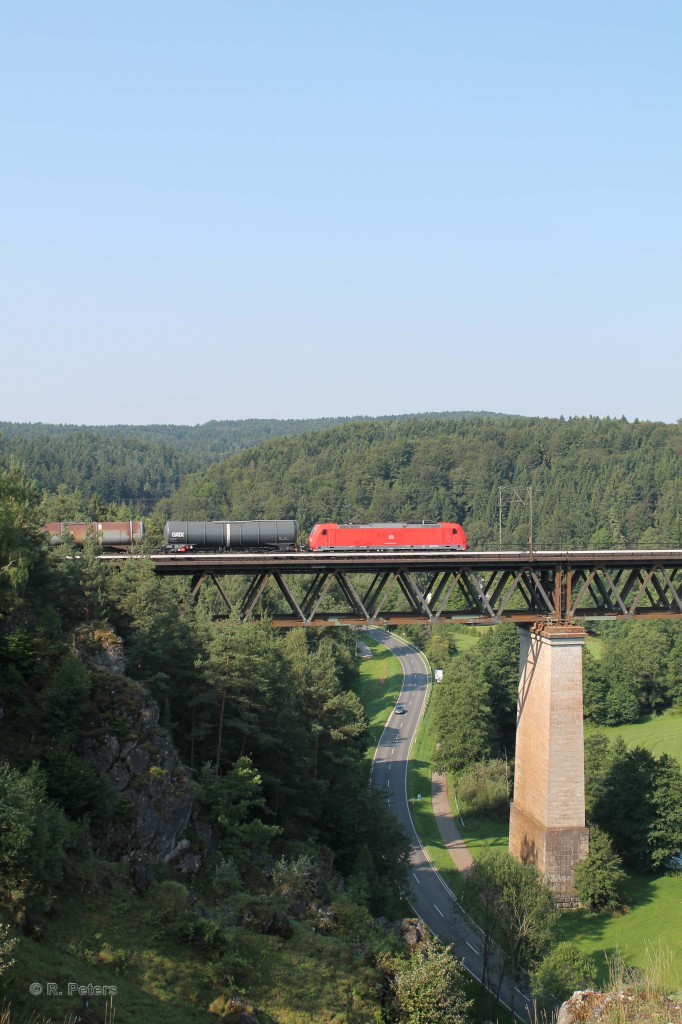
(108, 535)
(387, 536)
(269, 534)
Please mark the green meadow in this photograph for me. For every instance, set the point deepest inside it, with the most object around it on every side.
(661, 734)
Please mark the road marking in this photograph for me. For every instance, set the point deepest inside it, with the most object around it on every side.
(392, 749)
(388, 782)
(439, 911)
(472, 947)
(416, 879)
(519, 991)
(389, 766)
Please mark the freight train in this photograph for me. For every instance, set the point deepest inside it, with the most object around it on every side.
(268, 535)
(281, 534)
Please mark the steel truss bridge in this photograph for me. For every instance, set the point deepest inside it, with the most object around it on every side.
(396, 588)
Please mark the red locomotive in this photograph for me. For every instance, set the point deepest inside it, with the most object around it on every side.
(387, 536)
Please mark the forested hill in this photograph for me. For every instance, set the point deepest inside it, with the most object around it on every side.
(596, 482)
(140, 464)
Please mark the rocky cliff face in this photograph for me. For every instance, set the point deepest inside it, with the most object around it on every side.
(125, 743)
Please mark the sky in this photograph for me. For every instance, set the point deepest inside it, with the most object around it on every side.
(299, 208)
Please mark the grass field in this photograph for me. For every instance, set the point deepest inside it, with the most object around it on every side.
(466, 638)
(595, 646)
(655, 903)
(661, 734)
(380, 681)
(653, 922)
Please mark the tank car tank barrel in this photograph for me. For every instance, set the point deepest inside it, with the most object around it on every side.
(107, 535)
(265, 533)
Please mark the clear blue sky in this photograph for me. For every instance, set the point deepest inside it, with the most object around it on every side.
(235, 208)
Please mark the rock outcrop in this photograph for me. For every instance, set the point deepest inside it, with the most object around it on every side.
(125, 743)
(582, 1006)
(627, 1005)
(100, 648)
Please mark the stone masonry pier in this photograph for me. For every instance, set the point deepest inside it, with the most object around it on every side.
(547, 821)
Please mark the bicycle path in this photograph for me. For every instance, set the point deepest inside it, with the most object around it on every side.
(449, 832)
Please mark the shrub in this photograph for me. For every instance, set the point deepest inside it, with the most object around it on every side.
(562, 972)
(599, 878)
(484, 787)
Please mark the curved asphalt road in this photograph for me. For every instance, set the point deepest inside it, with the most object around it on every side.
(429, 896)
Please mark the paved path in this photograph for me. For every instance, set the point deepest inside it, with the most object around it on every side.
(428, 894)
(442, 812)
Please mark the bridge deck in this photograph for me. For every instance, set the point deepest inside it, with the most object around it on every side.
(398, 587)
(236, 562)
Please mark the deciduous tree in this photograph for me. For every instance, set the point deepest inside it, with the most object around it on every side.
(429, 987)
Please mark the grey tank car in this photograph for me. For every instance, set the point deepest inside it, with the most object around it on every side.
(264, 534)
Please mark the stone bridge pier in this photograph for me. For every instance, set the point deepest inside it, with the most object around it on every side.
(547, 821)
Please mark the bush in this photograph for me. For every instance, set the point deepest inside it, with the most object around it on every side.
(293, 879)
(226, 879)
(66, 698)
(168, 902)
(484, 788)
(429, 988)
(229, 1008)
(599, 878)
(562, 972)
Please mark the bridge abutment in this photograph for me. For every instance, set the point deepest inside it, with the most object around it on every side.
(547, 821)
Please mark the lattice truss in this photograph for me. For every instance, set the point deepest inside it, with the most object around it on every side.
(396, 596)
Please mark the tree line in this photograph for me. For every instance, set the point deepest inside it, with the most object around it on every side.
(141, 464)
(597, 483)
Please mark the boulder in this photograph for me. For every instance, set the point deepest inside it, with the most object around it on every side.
(411, 931)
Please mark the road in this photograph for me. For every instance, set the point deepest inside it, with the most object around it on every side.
(428, 894)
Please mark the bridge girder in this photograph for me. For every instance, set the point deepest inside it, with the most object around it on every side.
(302, 589)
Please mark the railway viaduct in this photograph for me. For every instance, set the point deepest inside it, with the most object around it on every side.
(548, 594)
